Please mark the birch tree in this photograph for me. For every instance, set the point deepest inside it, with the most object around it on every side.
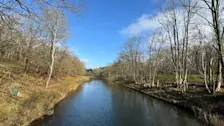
(176, 24)
(155, 55)
(57, 28)
(131, 57)
(215, 8)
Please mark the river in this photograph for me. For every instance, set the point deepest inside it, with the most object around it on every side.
(96, 103)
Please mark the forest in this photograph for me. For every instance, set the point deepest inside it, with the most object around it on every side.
(187, 46)
(36, 37)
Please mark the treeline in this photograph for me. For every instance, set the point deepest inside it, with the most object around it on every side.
(35, 33)
(187, 43)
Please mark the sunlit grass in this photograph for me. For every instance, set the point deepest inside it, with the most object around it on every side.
(33, 100)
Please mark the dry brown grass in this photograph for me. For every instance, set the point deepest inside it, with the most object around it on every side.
(216, 120)
(33, 99)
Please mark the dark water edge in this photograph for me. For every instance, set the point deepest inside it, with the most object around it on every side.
(38, 122)
(97, 103)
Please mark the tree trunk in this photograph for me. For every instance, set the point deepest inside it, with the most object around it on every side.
(153, 80)
(52, 60)
(157, 84)
(150, 77)
(185, 82)
(219, 79)
(154, 74)
(210, 76)
(26, 65)
(177, 79)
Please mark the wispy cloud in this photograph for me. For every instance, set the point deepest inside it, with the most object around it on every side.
(147, 22)
(143, 24)
(85, 61)
(75, 50)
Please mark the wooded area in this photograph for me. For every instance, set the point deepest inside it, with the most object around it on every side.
(188, 42)
(35, 33)
(37, 68)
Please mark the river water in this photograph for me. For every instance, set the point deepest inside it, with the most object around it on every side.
(96, 103)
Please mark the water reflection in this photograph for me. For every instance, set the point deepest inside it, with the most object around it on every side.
(100, 104)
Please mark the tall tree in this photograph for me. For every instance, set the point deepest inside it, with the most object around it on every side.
(57, 27)
(216, 11)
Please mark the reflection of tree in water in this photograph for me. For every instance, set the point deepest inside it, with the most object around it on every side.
(99, 103)
(135, 109)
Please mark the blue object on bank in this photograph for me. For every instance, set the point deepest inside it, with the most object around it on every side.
(15, 91)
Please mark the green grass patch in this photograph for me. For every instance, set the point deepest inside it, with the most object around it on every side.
(170, 78)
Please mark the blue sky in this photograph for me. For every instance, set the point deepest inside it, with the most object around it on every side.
(99, 33)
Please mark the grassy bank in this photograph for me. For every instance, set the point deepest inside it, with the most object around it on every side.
(33, 100)
(206, 107)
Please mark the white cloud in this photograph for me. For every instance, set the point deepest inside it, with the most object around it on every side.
(147, 23)
(84, 61)
(143, 24)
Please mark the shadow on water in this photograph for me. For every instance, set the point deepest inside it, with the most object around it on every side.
(98, 104)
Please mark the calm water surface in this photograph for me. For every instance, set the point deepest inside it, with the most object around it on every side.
(99, 104)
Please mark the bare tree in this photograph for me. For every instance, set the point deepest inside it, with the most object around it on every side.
(32, 31)
(215, 9)
(155, 55)
(178, 36)
(131, 56)
(56, 25)
(31, 8)
(207, 61)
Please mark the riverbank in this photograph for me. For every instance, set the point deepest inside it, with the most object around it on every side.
(206, 107)
(33, 100)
